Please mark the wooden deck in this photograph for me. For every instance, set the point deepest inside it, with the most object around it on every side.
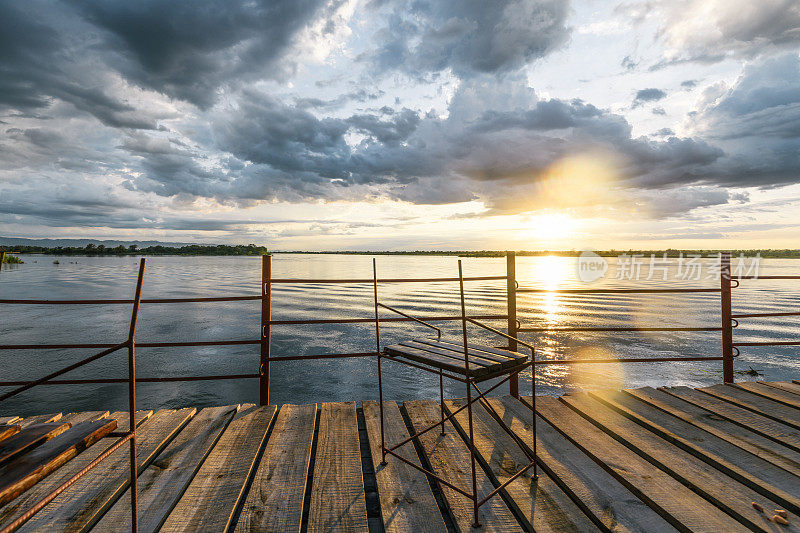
(652, 460)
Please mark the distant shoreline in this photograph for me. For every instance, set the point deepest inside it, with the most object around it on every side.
(253, 250)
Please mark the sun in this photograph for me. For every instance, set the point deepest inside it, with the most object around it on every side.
(550, 226)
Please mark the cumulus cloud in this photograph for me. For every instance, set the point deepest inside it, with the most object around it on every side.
(644, 96)
(711, 30)
(468, 37)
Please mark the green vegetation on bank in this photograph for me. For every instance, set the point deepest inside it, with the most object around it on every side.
(9, 259)
(193, 249)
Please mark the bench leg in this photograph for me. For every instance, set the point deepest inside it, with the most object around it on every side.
(441, 398)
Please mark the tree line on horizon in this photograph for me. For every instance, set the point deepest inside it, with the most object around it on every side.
(100, 249)
(251, 250)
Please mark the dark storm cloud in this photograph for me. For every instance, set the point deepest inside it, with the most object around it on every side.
(189, 50)
(43, 47)
(469, 36)
(644, 96)
(757, 120)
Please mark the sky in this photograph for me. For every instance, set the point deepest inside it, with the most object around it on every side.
(388, 124)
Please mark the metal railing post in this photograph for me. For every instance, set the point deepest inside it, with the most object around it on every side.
(132, 395)
(266, 328)
(511, 299)
(727, 322)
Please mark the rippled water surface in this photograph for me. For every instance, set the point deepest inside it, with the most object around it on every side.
(356, 378)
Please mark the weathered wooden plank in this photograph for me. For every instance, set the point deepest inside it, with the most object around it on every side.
(40, 419)
(407, 503)
(83, 416)
(338, 498)
(450, 354)
(479, 347)
(162, 483)
(19, 475)
(473, 352)
(545, 507)
(721, 427)
(703, 469)
(275, 500)
(216, 490)
(771, 393)
(788, 386)
(431, 359)
(82, 504)
(449, 458)
(600, 495)
(758, 404)
(29, 438)
(682, 507)
(747, 419)
(28, 499)
(6, 430)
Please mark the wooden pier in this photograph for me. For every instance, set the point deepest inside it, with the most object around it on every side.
(647, 459)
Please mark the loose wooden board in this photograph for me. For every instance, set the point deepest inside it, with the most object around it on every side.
(6, 430)
(82, 504)
(162, 483)
(208, 504)
(35, 494)
(670, 498)
(337, 496)
(449, 458)
(20, 474)
(40, 419)
(542, 503)
(275, 499)
(407, 503)
(29, 438)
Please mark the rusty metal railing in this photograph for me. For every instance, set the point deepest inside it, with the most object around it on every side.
(734, 318)
(123, 437)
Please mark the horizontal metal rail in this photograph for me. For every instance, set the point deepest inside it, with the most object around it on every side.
(384, 280)
(611, 291)
(625, 360)
(765, 277)
(762, 315)
(144, 301)
(372, 320)
(138, 345)
(632, 328)
(138, 380)
(768, 343)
